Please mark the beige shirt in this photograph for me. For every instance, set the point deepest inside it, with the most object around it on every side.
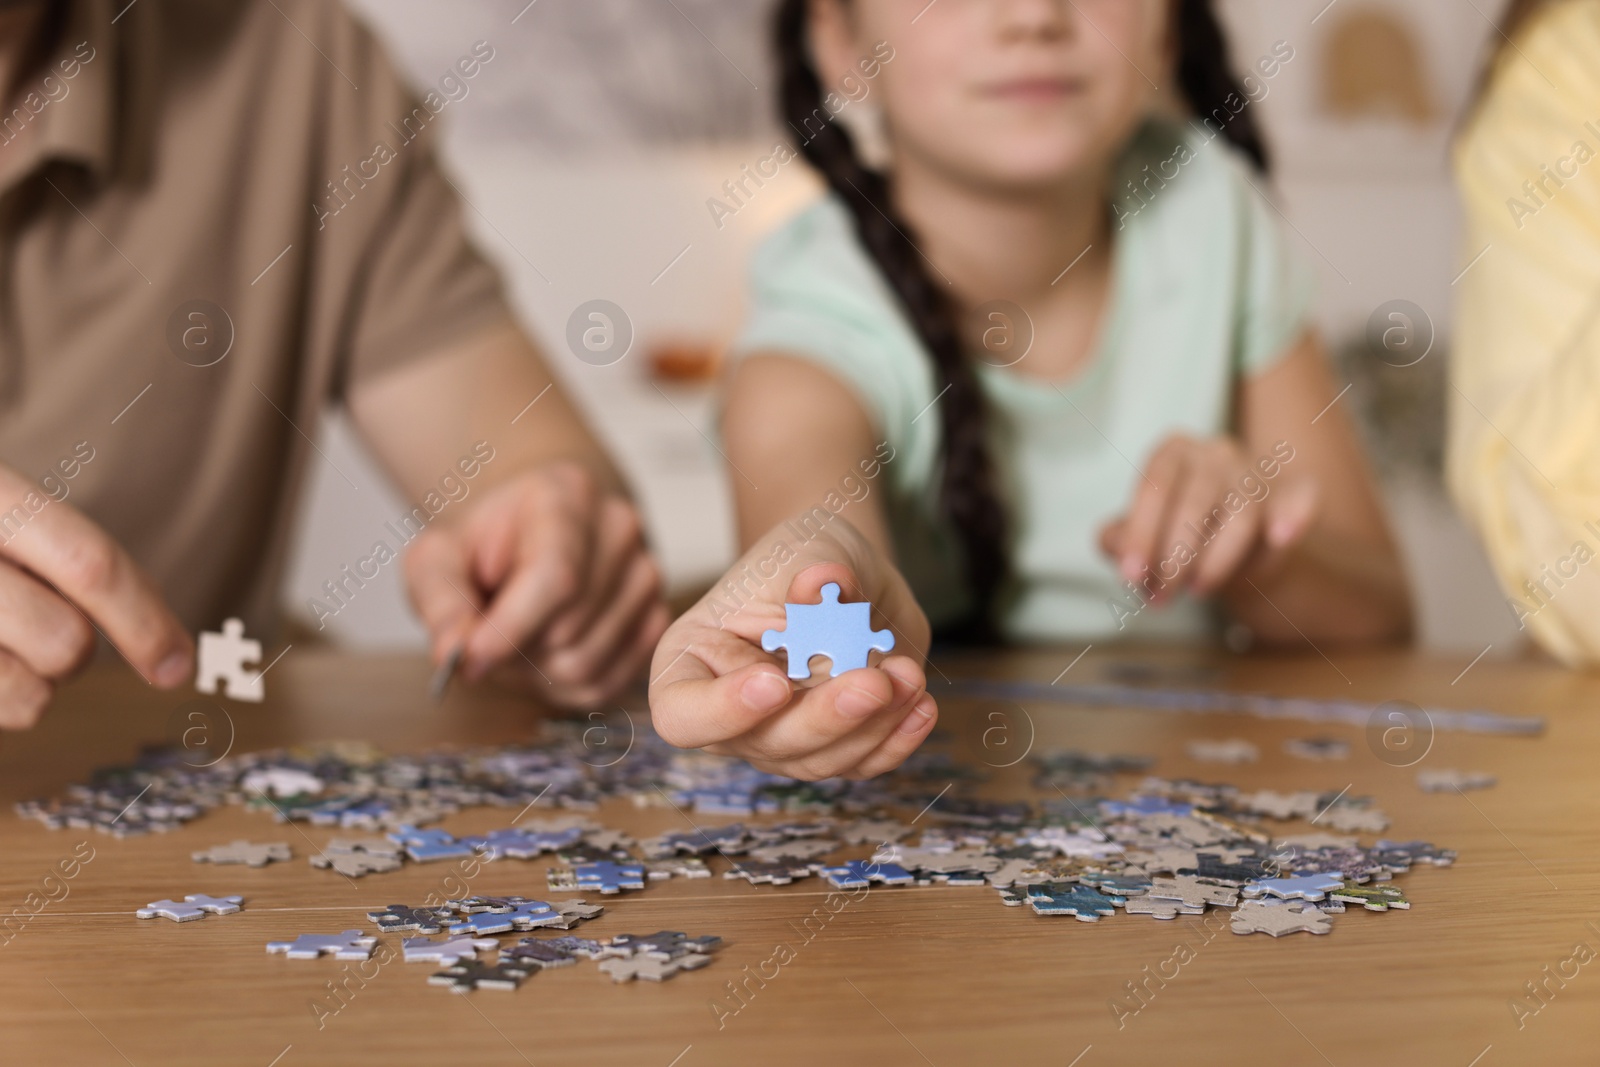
(215, 215)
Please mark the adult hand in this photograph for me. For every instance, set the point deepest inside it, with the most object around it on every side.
(1203, 514)
(713, 686)
(62, 578)
(548, 575)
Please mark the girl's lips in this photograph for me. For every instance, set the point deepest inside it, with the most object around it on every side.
(1034, 89)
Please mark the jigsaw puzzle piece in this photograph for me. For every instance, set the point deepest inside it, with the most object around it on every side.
(1015, 872)
(680, 866)
(776, 872)
(356, 864)
(1233, 750)
(446, 953)
(1213, 868)
(244, 852)
(1079, 901)
(426, 846)
(651, 968)
(193, 906)
(1357, 817)
(1160, 909)
(1453, 781)
(401, 917)
(1193, 891)
(1145, 805)
(537, 954)
(467, 977)
(609, 877)
(575, 911)
(856, 874)
(558, 951)
(1277, 919)
(841, 632)
(1303, 887)
(349, 945)
(1399, 856)
(1317, 748)
(1380, 897)
(520, 915)
(668, 944)
(221, 657)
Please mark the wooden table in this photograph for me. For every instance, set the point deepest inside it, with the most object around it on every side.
(907, 975)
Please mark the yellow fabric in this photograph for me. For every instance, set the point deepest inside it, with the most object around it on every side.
(1524, 448)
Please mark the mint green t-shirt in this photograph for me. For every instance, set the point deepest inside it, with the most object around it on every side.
(1204, 290)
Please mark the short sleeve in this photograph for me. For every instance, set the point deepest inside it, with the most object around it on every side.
(816, 296)
(1276, 285)
(425, 286)
(418, 284)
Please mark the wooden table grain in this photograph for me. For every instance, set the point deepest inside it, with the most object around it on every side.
(934, 975)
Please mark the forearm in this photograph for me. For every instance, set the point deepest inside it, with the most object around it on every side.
(802, 451)
(1328, 588)
(1342, 580)
(422, 418)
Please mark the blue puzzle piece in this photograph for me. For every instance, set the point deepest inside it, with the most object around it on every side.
(1146, 806)
(525, 915)
(609, 877)
(734, 799)
(522, 844)
(1079, 901)
(425, 845)
(551, 841)
(481, 925)
(842, 632)
(1121, 885)
(428, 853)
(857, 874)
(363, 813)
(501, 842)
(1303, 887)
(410, 835)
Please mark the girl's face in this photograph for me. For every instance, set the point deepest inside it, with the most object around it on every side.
(1010, 94)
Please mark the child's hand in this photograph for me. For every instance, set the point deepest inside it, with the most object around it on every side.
(1203, 514)
(713, 687)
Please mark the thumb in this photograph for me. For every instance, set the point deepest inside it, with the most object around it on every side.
(693, 705)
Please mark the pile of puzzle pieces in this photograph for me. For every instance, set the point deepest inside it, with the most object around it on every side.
(1178, 848)
(466, 924)
(356, 787)
(1086, 847)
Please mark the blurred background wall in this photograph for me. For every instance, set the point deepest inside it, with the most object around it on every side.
(589, 147)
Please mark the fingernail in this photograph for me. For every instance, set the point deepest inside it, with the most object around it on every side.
(856, 703)
(1130, 567)
(905, 674)
(764, 691)
(173, 670)
(918, 718)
